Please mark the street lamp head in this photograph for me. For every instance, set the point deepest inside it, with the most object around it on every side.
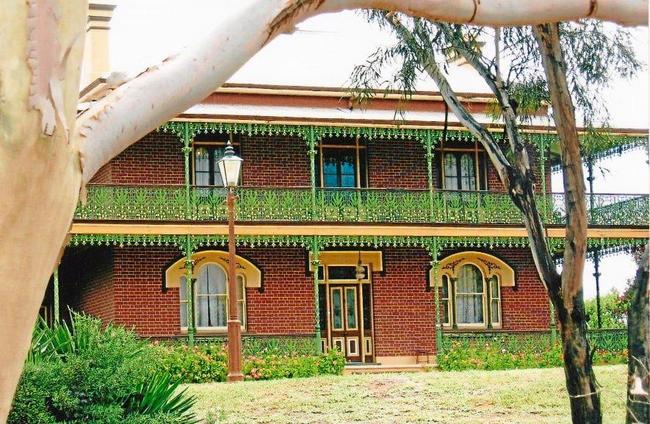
(230, 166)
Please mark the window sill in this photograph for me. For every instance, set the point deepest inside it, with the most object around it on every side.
(221, 331)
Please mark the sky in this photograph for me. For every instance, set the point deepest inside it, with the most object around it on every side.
(323, 51)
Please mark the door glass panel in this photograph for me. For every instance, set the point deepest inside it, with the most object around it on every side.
(201, 167)
(337, 309)
(451, 177)
(322, 305)
(367, 315)
(351, 307)
(341, 272)
(467, 172)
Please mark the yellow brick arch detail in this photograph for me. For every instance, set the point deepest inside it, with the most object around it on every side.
(252, 274)
(489, 265)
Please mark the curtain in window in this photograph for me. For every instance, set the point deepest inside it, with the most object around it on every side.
(495, 300)
(467, 172)
(451, 172)
(469, 296)
(217, 155)
(201, 167)
(211, 297)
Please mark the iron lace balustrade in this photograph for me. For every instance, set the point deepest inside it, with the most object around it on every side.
(296, 204)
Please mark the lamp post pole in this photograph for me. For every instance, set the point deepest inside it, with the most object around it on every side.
(234, 325)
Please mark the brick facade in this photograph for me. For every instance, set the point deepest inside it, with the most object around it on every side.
(274, 162)
(282, 161)
(125, 285)
(397, 164)
(403, 307)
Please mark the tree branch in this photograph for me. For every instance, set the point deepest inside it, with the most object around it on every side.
(160, 93)
(518, 181)
(575, 250)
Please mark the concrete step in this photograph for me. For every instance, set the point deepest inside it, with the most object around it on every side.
(379, 368)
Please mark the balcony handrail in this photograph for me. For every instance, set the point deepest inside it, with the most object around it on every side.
(349, 189)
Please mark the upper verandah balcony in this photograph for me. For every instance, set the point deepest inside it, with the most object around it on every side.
(311, 156)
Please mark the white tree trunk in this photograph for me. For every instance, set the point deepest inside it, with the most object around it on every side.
(40, 171)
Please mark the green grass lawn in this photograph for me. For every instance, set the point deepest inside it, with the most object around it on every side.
(518, 396)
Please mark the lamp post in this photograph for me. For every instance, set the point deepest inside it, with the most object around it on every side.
(230, 166)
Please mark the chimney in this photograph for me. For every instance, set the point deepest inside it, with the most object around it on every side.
(96, 61)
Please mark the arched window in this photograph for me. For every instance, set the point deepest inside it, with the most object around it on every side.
(211, 298)
(470, 293)
(470, 289)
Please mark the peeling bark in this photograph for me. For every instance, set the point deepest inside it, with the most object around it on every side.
(39, 170)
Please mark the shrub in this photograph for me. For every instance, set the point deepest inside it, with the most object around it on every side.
(208, 362)
(613, 311)
(201, 364)
(510, 352)
(81, 372)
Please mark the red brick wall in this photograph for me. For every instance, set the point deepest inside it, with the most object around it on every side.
(275, 161)
(397, 164)
(140, 302)
(286, 306)
(403, 308)
(156, 159)
(86, 281)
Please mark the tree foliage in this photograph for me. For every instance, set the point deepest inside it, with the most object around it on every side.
(596, 53)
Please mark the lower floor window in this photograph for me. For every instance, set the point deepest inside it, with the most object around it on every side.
(211, 299)
(471, 299)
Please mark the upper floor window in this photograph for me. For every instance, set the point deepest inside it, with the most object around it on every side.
(462, 167)
(343, 166)
(211, 299)
(206, 163)
(460, 171)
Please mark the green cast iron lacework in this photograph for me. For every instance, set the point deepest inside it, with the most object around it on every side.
(597, 145)
(434, 245)
(168, 203)
(607, 339)
(121, 240)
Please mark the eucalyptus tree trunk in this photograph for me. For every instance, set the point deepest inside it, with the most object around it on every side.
(638, 342)
(565, 289)
(568, 301)
(46, 155)
(40, 59)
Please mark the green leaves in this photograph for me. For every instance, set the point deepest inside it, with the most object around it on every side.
(159, 395)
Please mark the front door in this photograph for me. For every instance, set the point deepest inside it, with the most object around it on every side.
(345, 320)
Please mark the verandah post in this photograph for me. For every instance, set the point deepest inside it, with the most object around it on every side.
(315, 262)
(189, 290)
(187, 149)
(311, 144)
(429, 156)
(434, 251)
(189, 282)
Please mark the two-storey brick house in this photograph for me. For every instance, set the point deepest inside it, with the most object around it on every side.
(372, 235)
